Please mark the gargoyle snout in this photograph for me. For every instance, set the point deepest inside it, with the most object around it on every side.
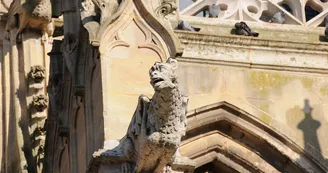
(153, 73)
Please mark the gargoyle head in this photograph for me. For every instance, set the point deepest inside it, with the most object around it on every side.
(163, 75)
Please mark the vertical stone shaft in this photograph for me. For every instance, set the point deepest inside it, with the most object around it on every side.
(15, 136)
(24, 86)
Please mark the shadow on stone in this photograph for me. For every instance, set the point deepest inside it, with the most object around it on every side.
(309, 127)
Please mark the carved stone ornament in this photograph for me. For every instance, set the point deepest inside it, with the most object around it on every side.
(156, 128)
(40, 102)
(166, 7)
(296, 11)
(34, 14)
(98, 14)
(37, 73)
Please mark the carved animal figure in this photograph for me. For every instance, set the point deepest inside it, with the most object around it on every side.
(185, 26)
(243, 29)
(213, 11)
(279, 17)
(107, 8)
(95, 13)
(35, 14)
(157, 125)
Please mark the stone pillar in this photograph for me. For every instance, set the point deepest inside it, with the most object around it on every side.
(54, 87)
(27, 63)
(71, 55)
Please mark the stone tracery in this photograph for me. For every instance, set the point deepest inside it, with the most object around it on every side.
(299, 12)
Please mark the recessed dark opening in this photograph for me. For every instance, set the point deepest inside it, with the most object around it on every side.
(310, 13)
(214, 167)
(287, 8)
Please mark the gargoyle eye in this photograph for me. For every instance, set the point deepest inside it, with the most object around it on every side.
(103, 5)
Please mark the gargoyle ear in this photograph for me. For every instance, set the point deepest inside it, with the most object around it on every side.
(173, 62)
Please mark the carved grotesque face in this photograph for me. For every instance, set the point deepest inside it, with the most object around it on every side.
(162, 75)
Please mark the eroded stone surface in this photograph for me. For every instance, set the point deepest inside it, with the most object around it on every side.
(156, 128)
(34, 14)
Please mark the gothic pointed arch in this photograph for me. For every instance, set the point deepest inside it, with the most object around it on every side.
(223, 138)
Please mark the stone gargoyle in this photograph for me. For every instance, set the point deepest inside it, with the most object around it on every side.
(156, 128)
(97, 13)
(34, 14)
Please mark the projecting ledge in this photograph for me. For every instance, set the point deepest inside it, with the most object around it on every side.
(104, 161)
(267, 31)
(223, 48)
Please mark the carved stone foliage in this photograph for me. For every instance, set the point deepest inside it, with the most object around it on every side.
(156, 128)
(37, 119)
(37, 73)
(166, 7)
(33, 14)
(40, 102)
(38, 142)
(154, 12)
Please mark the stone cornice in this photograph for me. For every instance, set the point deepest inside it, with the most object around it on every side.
(252, 65)
(201, 47)
(269, 31)
(251, 42)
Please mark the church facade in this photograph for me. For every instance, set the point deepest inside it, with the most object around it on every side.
(78, 79)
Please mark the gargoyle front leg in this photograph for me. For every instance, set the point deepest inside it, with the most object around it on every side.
(22, 24)
(139, 165)
(164, 161)
(143, 155)
(47, 32)
(161, 165)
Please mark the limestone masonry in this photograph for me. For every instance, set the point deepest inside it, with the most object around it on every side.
(163, 86)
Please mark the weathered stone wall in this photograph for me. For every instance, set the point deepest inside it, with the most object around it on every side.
(280, 78)
(99, 79)
(277, 98)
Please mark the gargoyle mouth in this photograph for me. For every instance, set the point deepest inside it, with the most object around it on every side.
(157, 80)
